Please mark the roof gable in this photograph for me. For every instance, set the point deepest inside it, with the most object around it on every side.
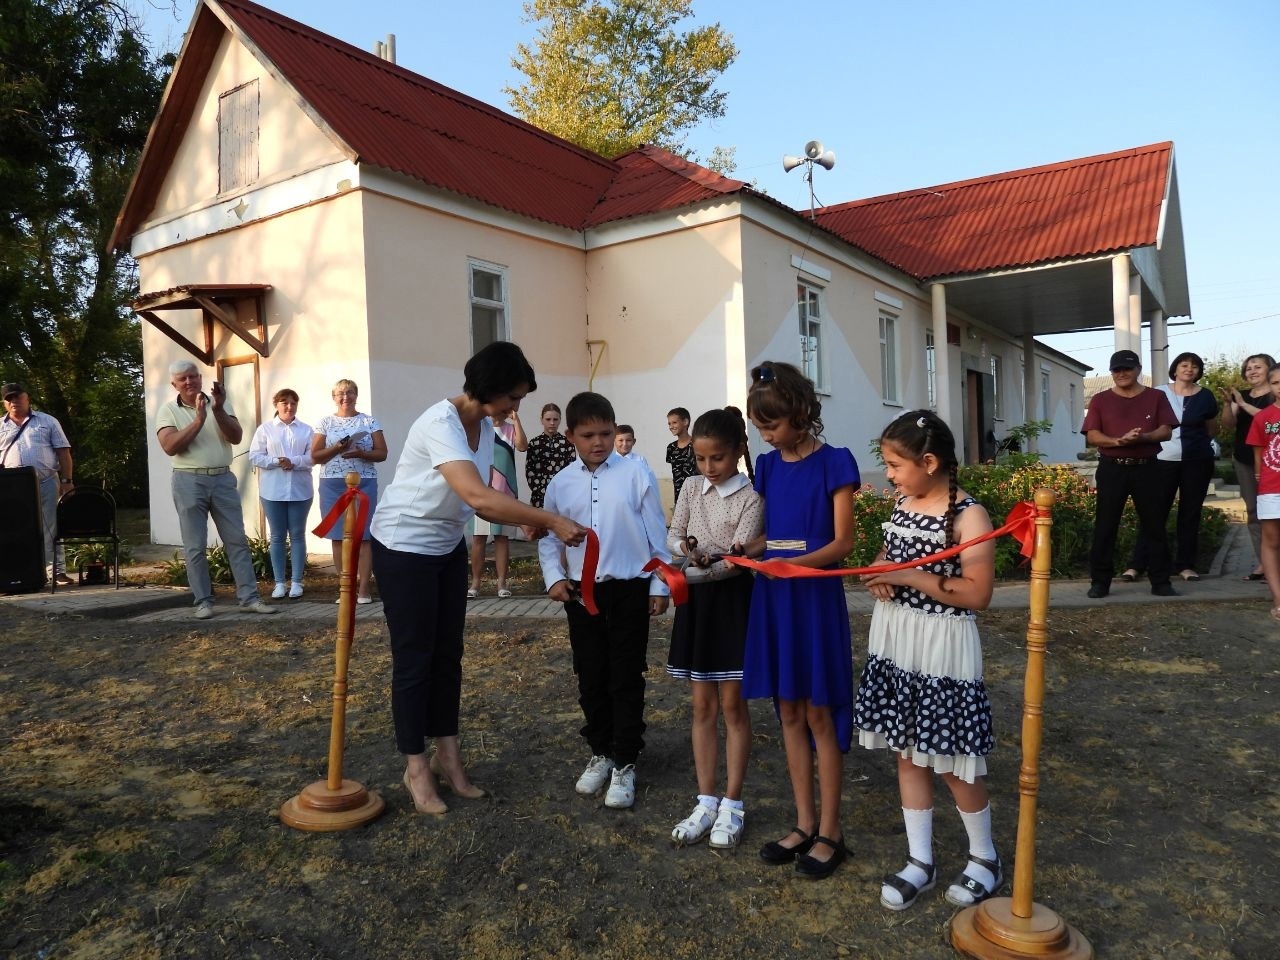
(1092, 206)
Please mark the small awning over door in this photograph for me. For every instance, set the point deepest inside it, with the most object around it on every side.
(236, 306)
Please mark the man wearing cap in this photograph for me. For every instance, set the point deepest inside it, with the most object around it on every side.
(1127, 424)
(204, 486)
(29, 438)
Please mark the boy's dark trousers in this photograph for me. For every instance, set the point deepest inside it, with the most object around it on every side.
(609, 659)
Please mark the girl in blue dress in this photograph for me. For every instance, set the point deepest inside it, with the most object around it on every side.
(799, 650)
(921, 694)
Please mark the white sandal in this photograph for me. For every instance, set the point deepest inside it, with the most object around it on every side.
(727, 830)
(693, 827)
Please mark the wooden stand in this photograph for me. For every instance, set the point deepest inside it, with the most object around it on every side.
(335, 803)
(1006, 928)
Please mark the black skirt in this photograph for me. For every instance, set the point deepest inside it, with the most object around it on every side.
(710, 631)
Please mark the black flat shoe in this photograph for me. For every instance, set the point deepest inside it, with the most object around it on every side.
(1098, 590)
(808, 866)
(1255, 577)
(775, 853)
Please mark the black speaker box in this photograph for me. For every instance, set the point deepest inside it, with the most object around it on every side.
(21, 532)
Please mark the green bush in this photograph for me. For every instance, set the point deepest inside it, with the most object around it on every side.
(998, 487)
(83, 554)
(1224, 471)
(175, 571)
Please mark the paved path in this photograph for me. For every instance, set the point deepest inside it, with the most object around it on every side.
(164, 604)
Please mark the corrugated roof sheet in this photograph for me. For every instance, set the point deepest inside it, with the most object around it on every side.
(1095, 205)
(652, 179)
(395, 119)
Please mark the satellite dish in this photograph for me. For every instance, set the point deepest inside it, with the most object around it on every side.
(789, 162)
(826, 160)
(813, 149)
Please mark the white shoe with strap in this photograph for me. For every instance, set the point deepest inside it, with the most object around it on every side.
(693, 827)
(727, 830)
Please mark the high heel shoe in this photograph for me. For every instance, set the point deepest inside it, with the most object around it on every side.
(472, 792)
(434, 808)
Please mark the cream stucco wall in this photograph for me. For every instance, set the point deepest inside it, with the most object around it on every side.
(420, 310)
(289, 142)
(669, 312)
(313, 258)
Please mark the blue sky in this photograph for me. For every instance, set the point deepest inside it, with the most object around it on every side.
(911, 94)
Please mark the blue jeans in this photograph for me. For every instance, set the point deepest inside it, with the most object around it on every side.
(287, 518)
(49, 510)
(197, 498)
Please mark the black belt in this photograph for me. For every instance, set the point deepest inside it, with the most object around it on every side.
(1129, 461)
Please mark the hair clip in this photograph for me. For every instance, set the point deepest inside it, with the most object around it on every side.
(920, 422)
(763, 373)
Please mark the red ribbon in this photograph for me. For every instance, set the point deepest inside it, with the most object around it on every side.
(674, 578)
(350, 560)
(587, 585)
(1019, 524)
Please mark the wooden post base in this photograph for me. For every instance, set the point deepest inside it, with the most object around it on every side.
(318, 808)
(990, 931)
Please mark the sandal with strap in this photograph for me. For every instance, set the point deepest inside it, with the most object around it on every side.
(906, 889)
(977, 891)
(775, 853)
(810, 866)
(1130, 576)
(727, 830)
(693, 827)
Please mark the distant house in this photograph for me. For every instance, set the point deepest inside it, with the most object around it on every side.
(306, 211)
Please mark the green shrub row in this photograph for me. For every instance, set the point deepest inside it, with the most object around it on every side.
(175, 571)
(999, 486)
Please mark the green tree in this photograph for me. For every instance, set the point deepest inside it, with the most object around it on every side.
(610, 75)
(78, 90)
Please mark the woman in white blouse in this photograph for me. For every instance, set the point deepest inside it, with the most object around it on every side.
(281, 450)
(420, 557)
(347, 441)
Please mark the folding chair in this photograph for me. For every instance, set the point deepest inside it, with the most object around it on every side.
(87, 515)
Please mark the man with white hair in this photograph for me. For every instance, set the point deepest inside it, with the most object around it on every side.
(204, 486)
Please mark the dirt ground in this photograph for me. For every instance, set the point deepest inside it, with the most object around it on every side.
(143, 767)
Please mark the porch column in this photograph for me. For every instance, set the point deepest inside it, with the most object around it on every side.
(1123, 319)
(941, 353)
(1159, 345)
(1030, 386)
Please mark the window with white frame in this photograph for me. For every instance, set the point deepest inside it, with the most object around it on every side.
(931, 369)
(889, 356)
(238, 137)
(997, 387)
(809, 311)
(1044, 394)
(488, 287)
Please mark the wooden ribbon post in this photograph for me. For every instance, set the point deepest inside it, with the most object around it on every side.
(1006, 928)
(337, 803)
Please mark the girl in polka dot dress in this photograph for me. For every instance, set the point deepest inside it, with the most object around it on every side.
(921, 692)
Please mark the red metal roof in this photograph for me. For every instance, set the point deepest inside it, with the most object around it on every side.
(651, 179)
(1077, 208)
(395, 119)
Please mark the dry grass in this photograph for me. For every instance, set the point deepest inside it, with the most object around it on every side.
(144, 767)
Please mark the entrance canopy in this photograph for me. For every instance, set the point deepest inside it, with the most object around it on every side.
(237, 307)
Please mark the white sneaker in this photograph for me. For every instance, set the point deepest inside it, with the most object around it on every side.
(693, 827)
(256, 606)
(728, 828)
(595, 776)
(279, 592)
(295, 591)
(204, 610)
(622, 789)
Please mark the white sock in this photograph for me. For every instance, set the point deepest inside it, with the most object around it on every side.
(731, 804)
(919, 825)
(711, 803)
(978, 826)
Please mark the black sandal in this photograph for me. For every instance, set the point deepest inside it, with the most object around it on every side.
(908, 890)
(973, 887)
(775, 853)
(815, 869)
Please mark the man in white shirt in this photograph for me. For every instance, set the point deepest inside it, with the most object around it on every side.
(29, 438)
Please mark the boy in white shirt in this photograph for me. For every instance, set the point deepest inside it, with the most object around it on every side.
(618, 499)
